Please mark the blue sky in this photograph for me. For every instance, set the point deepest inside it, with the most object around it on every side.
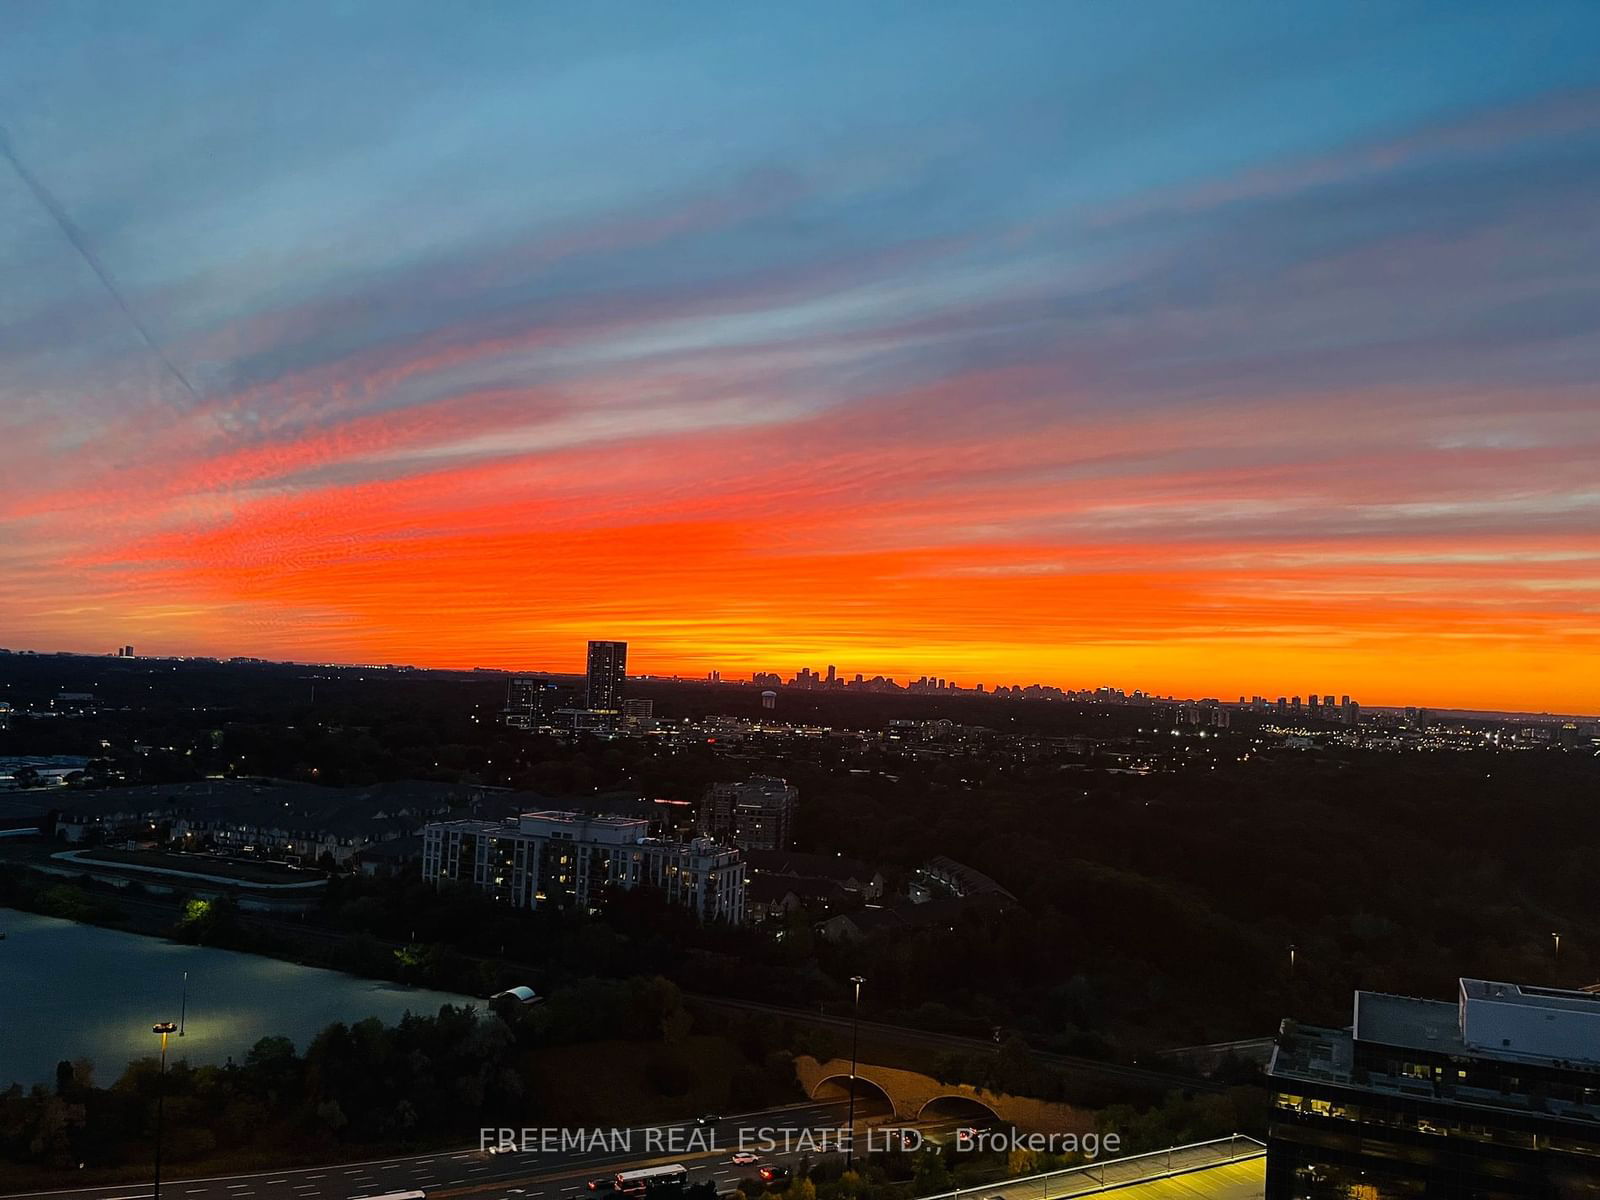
(1000, 251)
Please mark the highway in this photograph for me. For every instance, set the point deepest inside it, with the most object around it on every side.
(534, 1174)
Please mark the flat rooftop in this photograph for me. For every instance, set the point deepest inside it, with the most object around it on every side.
(1494, 1020)
(1232, 1181)
(576, 818)
(1408, 1023)
(1531, 1022)
(1527, 996)
(1196, 1173)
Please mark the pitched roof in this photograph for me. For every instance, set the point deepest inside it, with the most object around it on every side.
(816, 866)
(769, 888)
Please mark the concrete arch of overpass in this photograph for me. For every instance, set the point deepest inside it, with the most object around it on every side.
(864, 1089)
(956, 1106)
(910, 1096)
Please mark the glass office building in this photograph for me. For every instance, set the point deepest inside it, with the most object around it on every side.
(1494, 1097)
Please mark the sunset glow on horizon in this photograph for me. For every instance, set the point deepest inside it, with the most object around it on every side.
(1210, 351)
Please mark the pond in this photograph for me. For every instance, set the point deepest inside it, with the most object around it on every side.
(70, 991)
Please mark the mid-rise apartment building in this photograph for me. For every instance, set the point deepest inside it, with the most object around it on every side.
(570, 859)
(755, 814)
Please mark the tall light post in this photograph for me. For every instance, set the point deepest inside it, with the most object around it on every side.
(164, 1029)
(1556, 970)
(1292, 952)
(855, 1042)
(183, 1010)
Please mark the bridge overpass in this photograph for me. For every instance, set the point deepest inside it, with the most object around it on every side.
(912, 1096)
(1153, 1079)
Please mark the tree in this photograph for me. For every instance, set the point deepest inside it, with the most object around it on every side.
(675, 1026)
(271, 1068)
(932, 1175)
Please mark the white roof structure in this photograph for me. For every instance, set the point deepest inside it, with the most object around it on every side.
(522, 994)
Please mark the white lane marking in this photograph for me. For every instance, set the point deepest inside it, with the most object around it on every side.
(110, 1187)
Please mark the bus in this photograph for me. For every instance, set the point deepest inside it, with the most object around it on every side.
(650, 1179)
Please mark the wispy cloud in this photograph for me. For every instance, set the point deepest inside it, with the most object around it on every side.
(758, 372)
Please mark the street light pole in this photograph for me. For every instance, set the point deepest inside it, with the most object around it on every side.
(164, 1029)
(183, 1011)
(1556, 973)
(855, 1042)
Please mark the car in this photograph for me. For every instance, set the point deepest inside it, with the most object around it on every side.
(775, 1174)
(604, 1184)
(707, 1119)
(744, 1158)
(502, 1148)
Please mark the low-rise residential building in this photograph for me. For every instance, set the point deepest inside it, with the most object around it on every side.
(773, 897)
(849, 873)
(942, 877)
(568, 859)
(398, 856)
(904, 916)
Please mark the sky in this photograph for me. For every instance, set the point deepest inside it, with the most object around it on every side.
(1210, 349)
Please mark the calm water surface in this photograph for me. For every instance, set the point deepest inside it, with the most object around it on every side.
(77, 991)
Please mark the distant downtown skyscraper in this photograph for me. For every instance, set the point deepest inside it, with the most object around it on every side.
(608, 669)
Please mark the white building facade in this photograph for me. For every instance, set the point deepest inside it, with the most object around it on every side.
(570, 860)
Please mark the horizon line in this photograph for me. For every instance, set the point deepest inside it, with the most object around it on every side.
(846, 686)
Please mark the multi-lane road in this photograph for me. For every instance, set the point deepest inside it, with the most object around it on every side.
(536, 1173)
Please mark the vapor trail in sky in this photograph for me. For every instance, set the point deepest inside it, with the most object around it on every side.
(75, 235)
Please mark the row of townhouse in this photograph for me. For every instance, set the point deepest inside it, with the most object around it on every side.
(255, 816)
